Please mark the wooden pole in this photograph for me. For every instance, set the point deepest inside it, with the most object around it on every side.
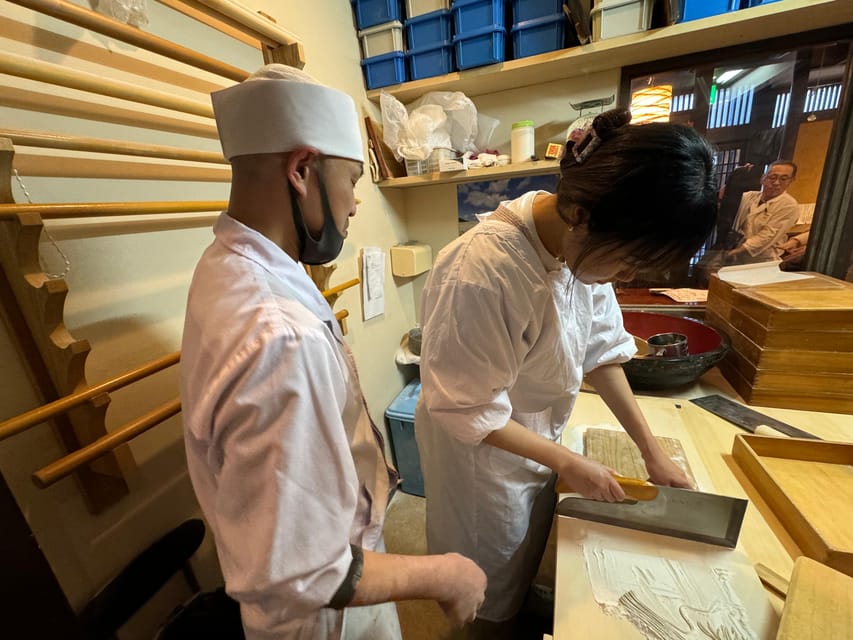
(66, 465)
(336, 290)
(48, 140)
(96, 209)
(48, 72)
(254, 21)
(88, 19)
(36, 416)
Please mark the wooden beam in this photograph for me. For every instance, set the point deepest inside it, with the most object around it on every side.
(67, 167)
(95, 209)
(99, 23)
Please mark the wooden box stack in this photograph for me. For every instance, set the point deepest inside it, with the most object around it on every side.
(791, 342)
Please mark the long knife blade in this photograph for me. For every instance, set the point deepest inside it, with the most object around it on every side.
(746, 418)
(681, 513)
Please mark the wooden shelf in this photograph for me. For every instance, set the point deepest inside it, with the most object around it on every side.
(537, 168)
(782, 18)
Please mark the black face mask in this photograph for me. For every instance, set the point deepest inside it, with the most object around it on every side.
(325, 248)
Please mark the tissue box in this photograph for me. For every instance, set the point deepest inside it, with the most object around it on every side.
(410, 259)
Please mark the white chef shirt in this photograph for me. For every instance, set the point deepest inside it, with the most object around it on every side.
(285, 462)
(508, 332)
(765, 225)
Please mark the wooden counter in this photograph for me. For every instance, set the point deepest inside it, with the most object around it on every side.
(707, 441)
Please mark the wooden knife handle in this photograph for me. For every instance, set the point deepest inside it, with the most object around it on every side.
(633, 487)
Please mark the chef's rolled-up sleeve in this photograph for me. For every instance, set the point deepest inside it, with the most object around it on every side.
(286, 484)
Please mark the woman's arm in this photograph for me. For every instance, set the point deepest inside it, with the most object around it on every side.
(585, 476)
(612, 385)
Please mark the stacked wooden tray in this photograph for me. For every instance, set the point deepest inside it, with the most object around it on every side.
(791, 342)
(809, 486)
(819, 605)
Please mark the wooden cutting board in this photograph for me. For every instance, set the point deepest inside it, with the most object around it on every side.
(616, 450)
(819, 604)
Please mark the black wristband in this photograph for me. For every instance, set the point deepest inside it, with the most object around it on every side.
(345, 593)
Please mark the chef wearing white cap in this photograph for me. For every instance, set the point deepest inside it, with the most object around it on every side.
(286, 464)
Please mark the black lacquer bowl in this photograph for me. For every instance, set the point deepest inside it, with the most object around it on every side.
(705, 345)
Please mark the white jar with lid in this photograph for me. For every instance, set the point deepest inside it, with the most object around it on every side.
(521, 141)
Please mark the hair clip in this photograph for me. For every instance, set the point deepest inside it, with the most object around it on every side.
(589, 143)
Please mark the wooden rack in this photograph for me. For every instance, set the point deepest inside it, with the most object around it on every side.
(33, 302)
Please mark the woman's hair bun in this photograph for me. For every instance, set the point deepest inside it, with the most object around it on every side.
(607, 122)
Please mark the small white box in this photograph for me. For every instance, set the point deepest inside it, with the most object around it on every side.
(613, 18)
(410, 259)
(381, 39)
(420, 7)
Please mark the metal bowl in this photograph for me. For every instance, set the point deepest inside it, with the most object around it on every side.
(705, 347)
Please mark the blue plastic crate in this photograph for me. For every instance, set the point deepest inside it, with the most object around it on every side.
(478, 48)
(696, 9)
(745, 4)
(429, 29)
(471, 16)
(427, 62)
(532, 37)
(369, 13)
(523, 10)
(401, 429)
(380, 71)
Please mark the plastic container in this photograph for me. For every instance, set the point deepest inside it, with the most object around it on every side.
(381, 39)
(429, 29)
(745, 4)
(613, 18)
(401, 429)
(369, 13)
(478, 48)
(532, 37)
(697, 9)
(431, 164)
(471, 16)
(419, 7)
(435, 60)
(522, 141)
(523, 10)
(381, 71)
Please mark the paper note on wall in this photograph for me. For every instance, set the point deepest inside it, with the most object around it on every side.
(373, 281)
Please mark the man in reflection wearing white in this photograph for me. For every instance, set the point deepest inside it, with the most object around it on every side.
(764, 217)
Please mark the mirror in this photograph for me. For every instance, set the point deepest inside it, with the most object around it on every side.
(757, 108)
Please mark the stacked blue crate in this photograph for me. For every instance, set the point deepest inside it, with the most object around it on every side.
(480, 32)
(387, 68)
(430, 46)
(538, 26)
(698, 9)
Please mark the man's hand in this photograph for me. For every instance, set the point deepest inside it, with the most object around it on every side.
(464, 598)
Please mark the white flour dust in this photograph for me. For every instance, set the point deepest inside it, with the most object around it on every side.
(667, 599)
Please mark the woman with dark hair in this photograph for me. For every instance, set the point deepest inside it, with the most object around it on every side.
(515, 313)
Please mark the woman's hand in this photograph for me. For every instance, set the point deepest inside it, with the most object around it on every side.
(663, 471)
(590, 479)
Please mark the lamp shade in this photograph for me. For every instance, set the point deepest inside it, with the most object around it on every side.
(651, 104)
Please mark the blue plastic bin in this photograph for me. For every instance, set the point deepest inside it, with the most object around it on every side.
(429, 29)
(696, 9)
(401, 429)
(745, 4)
(435, 60)
(481, 47)
(532, 37)
(523, 10)
(369, 13)
(474, 15)
(380, 71)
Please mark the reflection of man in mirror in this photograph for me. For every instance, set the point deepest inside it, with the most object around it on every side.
(764, 217)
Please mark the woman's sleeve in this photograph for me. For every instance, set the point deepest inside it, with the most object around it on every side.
(469, 357)
(609, 343)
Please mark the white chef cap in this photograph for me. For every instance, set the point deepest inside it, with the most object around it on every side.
(279, 108)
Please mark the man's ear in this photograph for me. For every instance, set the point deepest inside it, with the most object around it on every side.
(298, 168)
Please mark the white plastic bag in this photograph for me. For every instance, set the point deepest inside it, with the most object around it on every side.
(132, 12)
